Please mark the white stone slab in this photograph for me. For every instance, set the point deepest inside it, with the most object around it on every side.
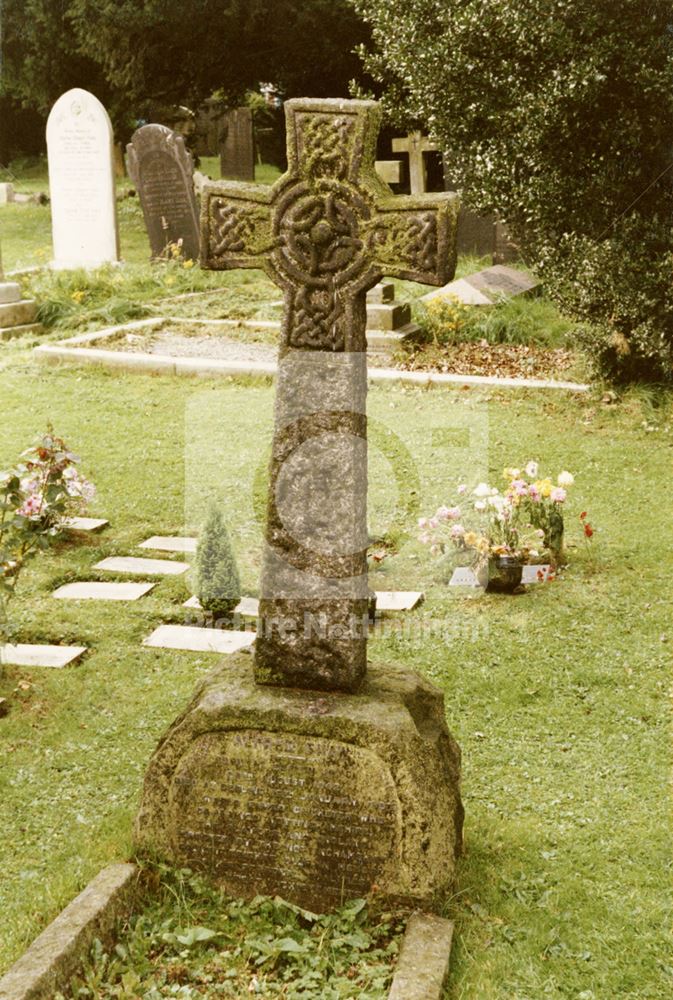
(6, 193)
(199, 640)
(169, 543)
(91, 590)
(86, 523)
(23, 655)
(397, 600)
(248, 607)
(81, 182)
(463, 576)
(151, 567)
(536, 574)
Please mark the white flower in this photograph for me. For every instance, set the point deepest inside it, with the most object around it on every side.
(480, 505)
(565, 479)
(482, 490)
(532, 470)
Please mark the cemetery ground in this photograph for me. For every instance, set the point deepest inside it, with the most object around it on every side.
(558, 697)
(523, 337)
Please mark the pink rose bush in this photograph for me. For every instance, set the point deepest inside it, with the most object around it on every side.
(37, 499)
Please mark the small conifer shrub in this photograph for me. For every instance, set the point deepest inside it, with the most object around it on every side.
(218, 586)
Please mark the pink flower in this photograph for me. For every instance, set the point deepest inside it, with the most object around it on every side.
(433, 522)
(558, 494)
(442, 513)
(30, 506)
(462, 489)
(534, 493)
(422, 522)
(457, 531)
(520, 487)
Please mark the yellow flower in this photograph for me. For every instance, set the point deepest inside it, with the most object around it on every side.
(170, 280)
(483, 545)
(188, 263)
(471, 538)
(77, 296)
(545, 487)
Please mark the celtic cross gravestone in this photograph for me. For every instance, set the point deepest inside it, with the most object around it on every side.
(325, 233)
(311, 776)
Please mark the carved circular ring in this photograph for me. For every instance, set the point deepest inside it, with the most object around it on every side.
(319, 234)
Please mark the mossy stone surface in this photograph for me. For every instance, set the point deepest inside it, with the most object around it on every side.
(312, 796)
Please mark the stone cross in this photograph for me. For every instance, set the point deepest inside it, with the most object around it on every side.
(326, 232)
(416, 145)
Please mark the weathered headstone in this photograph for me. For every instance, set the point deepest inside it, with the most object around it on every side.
(237, 145)
(390, 171)
(484, 288)
(416, 146)
(81, 182)
(310, 775)
(162, 170)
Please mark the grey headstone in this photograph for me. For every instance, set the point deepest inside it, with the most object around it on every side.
(237, 145)
(163, 170)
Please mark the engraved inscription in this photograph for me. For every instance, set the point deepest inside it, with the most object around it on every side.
(270, 812)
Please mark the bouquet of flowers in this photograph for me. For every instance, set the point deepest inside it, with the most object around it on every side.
(508, 527)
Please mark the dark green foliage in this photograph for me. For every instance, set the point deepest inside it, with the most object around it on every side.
(558, 116)
(218, 586)
(137, 56)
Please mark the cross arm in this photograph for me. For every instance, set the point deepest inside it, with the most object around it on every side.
(235, 225)
(414, 237)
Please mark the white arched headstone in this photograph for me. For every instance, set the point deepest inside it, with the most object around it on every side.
(81, 182)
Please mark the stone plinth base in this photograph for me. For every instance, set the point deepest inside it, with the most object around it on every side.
(313, 796)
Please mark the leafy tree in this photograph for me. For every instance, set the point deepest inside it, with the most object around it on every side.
(218, 586)
(558, 115)
(135, 56)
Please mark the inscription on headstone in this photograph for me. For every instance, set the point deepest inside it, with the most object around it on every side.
(162, 170)
(81, 182)
(237, 145)
(286, 809)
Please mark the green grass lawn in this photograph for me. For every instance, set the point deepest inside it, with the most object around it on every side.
(25, 230)
(558, 697)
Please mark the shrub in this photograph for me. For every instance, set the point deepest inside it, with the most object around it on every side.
(37, 498)
(558, 117)
(218, 586)
(535, 322)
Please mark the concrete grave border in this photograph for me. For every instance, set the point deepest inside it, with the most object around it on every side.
(82, 350)
(60, 951)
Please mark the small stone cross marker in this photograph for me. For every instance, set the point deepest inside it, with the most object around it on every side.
(416, 145)
(326, 232)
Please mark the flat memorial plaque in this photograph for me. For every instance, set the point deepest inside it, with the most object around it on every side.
(86, 523)
(24, 655)
(463, 576)
(168, 543)
(536, 574)
(90, 590)
(199, 640)
(484, 288)
(398, 600)
(152, 567)
(247, 606)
